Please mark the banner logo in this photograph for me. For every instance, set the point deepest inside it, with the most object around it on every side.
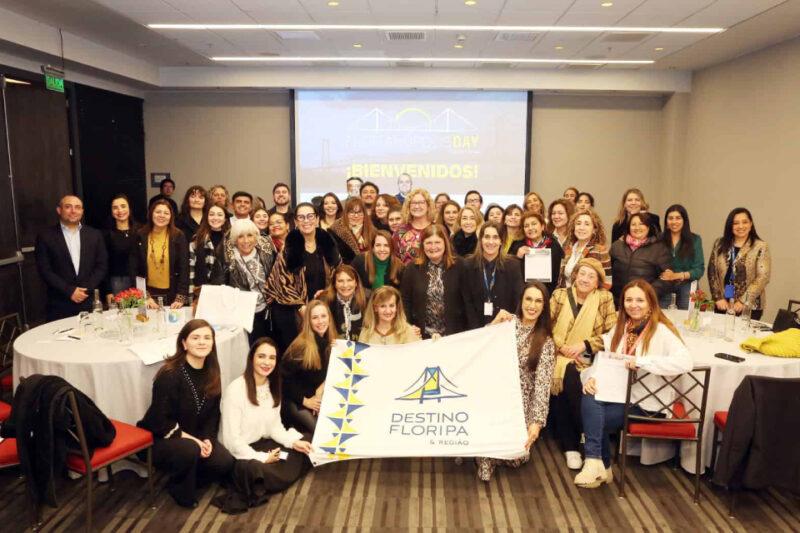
(432, 384)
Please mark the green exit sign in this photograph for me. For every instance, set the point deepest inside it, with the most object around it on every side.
(54, 83)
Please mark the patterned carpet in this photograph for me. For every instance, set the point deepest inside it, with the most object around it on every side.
(423, 494)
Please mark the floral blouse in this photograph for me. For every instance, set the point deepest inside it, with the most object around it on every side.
(535, 385)
(407, 240)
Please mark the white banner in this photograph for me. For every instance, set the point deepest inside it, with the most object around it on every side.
(457, 396)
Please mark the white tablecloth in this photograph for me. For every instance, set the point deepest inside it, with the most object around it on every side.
(725, 377)
(106, 370)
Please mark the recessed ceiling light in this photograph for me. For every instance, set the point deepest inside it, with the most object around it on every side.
(357, 45)
(658, 49)
(332, 3)
(559, 47)
(458, 45)
(470, 2)
(607, 4)
(298, 59)
(436, 27)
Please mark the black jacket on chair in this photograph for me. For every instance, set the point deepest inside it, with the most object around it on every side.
(506, 292)
(56, 269)
(414, 289)
(178, 264)
(40, 421)
(759, 445)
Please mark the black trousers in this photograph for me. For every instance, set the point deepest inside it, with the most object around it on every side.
(282, 475)
(284, 325)
(566, 409)
(298, 417)
(260, 328)
(180, 458)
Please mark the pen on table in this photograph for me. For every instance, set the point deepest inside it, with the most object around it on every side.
(60, 331)
(73, 337)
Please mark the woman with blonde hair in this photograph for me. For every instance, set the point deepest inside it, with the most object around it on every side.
(586, 238)
(419, 213)
(345, 297)
(655, 346)
(533, 202)
(385, 320)
(305, 365)
(632, 202)
(465, 238)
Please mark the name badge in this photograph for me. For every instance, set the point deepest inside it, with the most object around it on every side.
(488, 308)
(729, 292)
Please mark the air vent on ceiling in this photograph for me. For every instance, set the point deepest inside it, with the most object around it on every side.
(298, 35)
(625, 37)
(582, 66)
(405, 36)
(516, 36)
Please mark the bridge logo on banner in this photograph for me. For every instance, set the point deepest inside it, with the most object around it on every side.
(456, 396)
(429, 386)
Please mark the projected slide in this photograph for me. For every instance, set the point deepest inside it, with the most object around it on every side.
(446, 141)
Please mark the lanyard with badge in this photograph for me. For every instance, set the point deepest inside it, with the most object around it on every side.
(730, 290)
(488, 307)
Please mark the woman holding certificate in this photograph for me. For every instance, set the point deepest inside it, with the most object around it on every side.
(646, 334)
(535, 238)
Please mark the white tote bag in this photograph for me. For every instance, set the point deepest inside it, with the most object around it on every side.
(226, 306)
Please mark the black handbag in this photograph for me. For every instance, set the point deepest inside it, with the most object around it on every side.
(787, 318)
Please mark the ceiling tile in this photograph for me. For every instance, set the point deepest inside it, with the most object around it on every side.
(664, 12)
(726, 13)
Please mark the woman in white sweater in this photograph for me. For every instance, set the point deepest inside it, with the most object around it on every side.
(642, 331)
(251, 426)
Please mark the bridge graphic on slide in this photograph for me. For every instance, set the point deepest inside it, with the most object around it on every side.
(432, 384)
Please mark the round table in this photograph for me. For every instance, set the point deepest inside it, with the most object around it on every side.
(725, 377)
(106, 370)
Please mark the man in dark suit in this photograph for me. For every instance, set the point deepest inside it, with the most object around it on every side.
(72, 260)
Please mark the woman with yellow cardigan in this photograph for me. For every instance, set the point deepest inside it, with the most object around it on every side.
(581, 314)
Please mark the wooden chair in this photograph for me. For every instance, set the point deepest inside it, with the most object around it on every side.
(128, 441)
(10, 329)
(682, 425)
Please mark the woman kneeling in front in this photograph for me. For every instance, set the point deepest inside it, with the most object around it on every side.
(536, 353)
(184, 415)
(643, 331)
(251, 420)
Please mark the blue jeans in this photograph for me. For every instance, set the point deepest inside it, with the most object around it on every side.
(599, 420)
(681, 290)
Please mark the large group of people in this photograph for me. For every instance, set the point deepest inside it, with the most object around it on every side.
(393, 269)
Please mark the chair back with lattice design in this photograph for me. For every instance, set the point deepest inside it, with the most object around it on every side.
(10, 329)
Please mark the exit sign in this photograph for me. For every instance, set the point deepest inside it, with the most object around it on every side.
(54, 83)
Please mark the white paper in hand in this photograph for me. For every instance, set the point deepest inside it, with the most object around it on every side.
(611, 376)
(539, 265)
(225, 306)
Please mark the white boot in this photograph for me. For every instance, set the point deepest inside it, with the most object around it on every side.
(593, 474)
(574, 460)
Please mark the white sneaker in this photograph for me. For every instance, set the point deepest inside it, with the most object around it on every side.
(574, 460)
(593, 474)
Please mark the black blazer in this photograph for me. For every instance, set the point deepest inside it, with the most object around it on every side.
(556, 255)
(414, 289)
(178, 264)
(506, 292)
(56, 269)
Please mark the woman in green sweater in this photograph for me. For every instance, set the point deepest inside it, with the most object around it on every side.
(379, 266)
(687, 256)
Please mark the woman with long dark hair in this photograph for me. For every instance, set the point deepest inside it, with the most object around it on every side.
(300, 273)
(202, 250)
(330, 210)
(184, 415)
(644, 332)
(251, 426)
(491, 280)
(345, 298)
(353, 232)
(512, 226)
(305, 366)
(687, 257)
(448, 216)
(536, 355)
(558, 216)
(380, 266)
(380, 213)
(193, 209)
(121, 241)
(162, 258)
(739, 266)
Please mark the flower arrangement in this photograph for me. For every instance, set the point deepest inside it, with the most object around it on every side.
(129, 298)
(701, 301)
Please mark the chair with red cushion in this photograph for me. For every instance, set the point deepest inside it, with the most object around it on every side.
(720, 421)
(8, 453)
(681, 424)
(5, 411)
(128, 441)
(10, 329)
